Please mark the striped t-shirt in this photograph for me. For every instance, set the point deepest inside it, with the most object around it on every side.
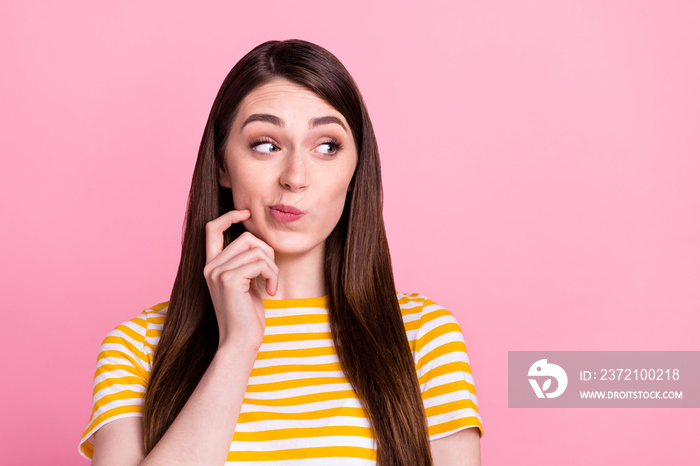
(299, 407)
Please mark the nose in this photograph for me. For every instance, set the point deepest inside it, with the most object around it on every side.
(294, 176)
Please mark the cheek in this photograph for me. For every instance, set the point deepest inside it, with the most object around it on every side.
(243, 196)
(336, 199)
(243, 188)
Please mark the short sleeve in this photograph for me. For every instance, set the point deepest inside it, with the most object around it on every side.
(123, 367)
(444, 373)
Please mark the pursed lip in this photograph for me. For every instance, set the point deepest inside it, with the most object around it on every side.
(286, 209)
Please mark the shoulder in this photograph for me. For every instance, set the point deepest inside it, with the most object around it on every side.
(137, 337)
(442, 365)
(123, 370)
(417, 307)
(148, 324)
(427, 323)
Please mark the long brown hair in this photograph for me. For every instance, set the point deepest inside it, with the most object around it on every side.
(364, 313)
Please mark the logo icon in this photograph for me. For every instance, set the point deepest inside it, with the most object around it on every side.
(542, 368)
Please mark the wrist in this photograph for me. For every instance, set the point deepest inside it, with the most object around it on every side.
(238, 349)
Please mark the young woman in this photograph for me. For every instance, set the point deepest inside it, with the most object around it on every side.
(284, 340)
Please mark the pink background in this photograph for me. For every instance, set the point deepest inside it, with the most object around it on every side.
(541, 163)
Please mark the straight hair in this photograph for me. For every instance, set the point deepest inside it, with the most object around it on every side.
(365, 318)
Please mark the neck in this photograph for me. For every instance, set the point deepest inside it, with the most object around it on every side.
(300, 276)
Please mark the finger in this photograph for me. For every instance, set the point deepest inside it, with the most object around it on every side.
(214, 230)
(242, 259)
(253, 270)
(271, 286)
(244, 242)
(271, 275)
(230, 270)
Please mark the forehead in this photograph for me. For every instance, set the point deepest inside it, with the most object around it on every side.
(280, 97)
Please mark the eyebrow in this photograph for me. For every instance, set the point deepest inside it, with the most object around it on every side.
(326, 120)
(272, 119)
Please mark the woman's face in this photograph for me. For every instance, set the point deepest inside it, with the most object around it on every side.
(289, 159)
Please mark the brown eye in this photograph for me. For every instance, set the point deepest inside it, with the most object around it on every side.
(328, 148)
(264, 146)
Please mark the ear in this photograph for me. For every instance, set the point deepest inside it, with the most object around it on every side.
(223, 178)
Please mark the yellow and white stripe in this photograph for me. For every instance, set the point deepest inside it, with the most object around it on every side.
(298, 404)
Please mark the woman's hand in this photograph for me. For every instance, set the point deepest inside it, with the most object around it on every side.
(231, 274)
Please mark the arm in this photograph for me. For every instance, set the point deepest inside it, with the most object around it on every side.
(202, 431)
(459, 449)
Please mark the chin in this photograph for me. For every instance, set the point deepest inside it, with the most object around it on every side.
(291, 248)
